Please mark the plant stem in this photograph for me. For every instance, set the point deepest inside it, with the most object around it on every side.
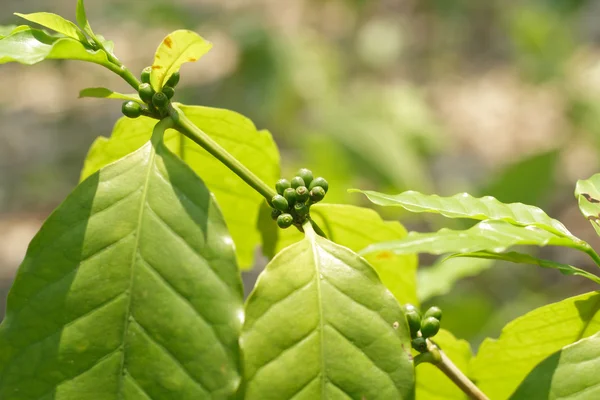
(590, 251)
(117, 66)
(187, 127)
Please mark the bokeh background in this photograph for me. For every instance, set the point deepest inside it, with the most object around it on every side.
(498, 97)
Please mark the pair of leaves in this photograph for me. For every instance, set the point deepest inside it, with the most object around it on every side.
(320, 325)
(129, 290)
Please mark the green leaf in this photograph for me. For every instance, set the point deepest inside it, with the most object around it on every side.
(320, 325)
(30, 46)
(56, 23)
(521, 258)
(177, 48)
(502, 364)
(439, 279)
(82, 19)
(571, 373)
(432, 384)
(356, 228)
(490, 235)
(129, 290)
(105, 93)
(6, 30)
(237, 134)
(587, 193)
(463, 205)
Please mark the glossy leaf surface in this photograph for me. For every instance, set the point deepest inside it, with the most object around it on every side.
(56, 23)
(234, 132)
(176, 49)
(502, 364)
(104, 93)
(129, 291)
(356, 228)
(571, 373)
(587, 193)
(320, 325)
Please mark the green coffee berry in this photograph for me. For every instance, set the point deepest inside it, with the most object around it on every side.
(319, 182)
(429, 327)
(131, 109)
(419, 344)
(301, 209)
(317, 194)
(306, 175)
(275, 213)
(281, 185)
(414, 322)
(302, 194)
(434, 312)
(279, 202)
(285, 220)
(290, 195)
(173, 79)
(297, 182)
(160, 100)
(146, 92)
(145, 76)
(169, 91)
(409, 307)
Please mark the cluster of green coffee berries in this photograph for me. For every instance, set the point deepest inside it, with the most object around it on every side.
(422, 328)
(154, 100)
(292, 203)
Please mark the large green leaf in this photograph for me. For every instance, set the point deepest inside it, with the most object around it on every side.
(6, 30)
(587, 193)
(56, 23)
(129, 291)
(433, 384)
(493, 236)
(502, 364)
(234, 132)
(320, 325)
(463, 205)
(571, 373)
(176, 49)
(26, 45)
(356, 228)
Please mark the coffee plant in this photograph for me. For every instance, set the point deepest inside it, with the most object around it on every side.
(131, 289)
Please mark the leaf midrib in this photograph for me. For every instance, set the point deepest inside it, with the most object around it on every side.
(313, 246)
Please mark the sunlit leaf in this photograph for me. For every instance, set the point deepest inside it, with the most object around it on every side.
(6, 30)
(356, 228)
(502, 364)
(587, 193)
(571, 373)
(129, 290)
(105, 93)
(56, 23)
(320, 325)
(82, 18)
(176, 49)
(237, 134)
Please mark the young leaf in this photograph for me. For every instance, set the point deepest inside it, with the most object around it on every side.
(502, 364)
(571, 373)
(320, 325)
(341, 222)
(177, 48)
(490, 235)
(129, 290)
(587, 193)
(30, 46)
(56, 23)
(237, 134)
(464, 205)
(6, 30)
(104, 93)
(432, 384)
(82, 19)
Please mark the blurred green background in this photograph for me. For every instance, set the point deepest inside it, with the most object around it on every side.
(498, 97)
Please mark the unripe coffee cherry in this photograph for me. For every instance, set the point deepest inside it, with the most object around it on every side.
(275, 213)
(429, 327)
(290, 195)
(279, 202)
(319, 182)
(317, 194)
(281, 185)
(131, 109)
(169, 91)
(414, 322)
(301, 209)
(145, 76)
(160, 100)
(173, 79)
(434, 312)
(306, 175)
(146, 92)
(285, 220)
(419, 344)
(302, 194)
(297, 182)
